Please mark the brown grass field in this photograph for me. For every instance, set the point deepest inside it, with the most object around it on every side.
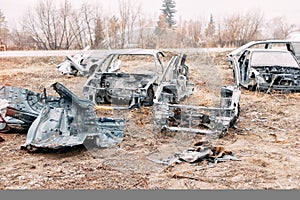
(265, 139)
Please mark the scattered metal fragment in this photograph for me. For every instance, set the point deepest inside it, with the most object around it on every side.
(71, 122)
(198, 154)
(81, 64)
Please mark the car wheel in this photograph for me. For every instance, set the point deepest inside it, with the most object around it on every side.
(252, 87)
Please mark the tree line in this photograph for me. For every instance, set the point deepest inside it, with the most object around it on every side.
(52, 26)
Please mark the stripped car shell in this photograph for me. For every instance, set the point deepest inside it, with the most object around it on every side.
(213, 121)
(199, 119)
(81, 64)
(71, 122)
(19, 107)
(268, 70)
(174, 84)
(138, 75)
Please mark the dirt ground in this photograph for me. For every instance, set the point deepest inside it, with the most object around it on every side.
(265, 139)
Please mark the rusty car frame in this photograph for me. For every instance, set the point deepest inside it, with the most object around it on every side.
(213, 121)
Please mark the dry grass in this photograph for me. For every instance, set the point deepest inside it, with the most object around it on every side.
(266, 140)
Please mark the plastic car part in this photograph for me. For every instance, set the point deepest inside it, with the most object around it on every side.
(72, 122)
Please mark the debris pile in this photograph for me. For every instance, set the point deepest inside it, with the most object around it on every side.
(198, 153)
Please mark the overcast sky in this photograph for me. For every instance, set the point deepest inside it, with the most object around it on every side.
(14, 10)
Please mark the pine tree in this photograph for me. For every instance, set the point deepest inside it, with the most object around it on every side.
(99, 32)
(169, 11)
(211, 29)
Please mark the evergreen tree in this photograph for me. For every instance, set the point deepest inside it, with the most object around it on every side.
(99, 32)
(211, 29)
(169, 11)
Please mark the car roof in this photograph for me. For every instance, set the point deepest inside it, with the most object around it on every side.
(245, 46)
(268, 50)
(278, 41)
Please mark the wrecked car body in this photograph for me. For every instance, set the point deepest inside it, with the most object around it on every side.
(81, 64)
(268, 70)
(19, 107)
(131, 78)
(71, 121)
(213, 121)
(174, 84)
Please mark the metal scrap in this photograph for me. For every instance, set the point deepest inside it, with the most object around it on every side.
(199, 119)
(71, 122)
(80, 64)
(19, 107)
(196, 154)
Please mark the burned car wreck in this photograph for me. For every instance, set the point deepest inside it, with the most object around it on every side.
(268, 70)
(56, 122)
(131, 78)
(80, 64)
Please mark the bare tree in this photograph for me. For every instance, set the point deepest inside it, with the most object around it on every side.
(210, 32)
(194, 30)
(113, 27)
(279, 27)
(99, 32)
(3, 28)
(47, 24)
(129, 12)
(146, 31)
(89, 13)
(241, 28)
